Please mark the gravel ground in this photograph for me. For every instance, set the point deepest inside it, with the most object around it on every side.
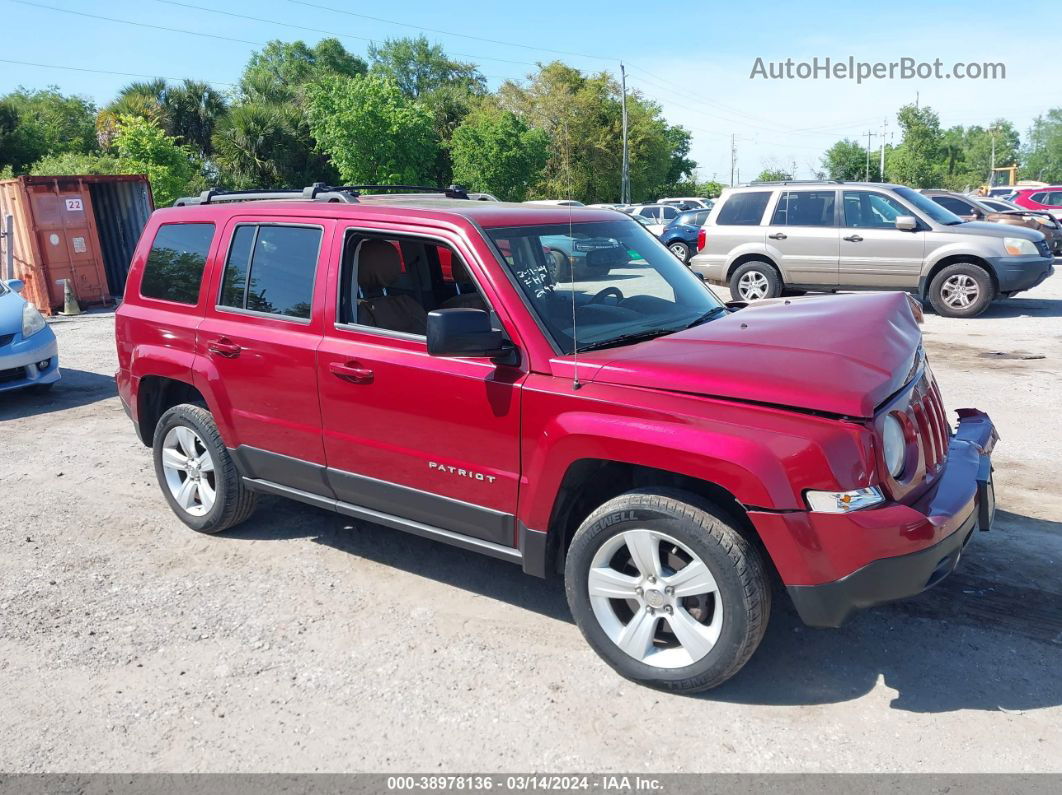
(303, 641)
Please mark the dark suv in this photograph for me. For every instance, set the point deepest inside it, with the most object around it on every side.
(414, 362)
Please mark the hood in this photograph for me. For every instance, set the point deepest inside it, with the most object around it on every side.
(841, 355)
(11, 304)
(987, 229)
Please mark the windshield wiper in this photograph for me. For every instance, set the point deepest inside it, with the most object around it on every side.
(711, 313)
(623, 339)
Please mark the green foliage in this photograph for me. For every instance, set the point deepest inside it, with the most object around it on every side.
(71, 163)
(847, 160)
(919, 160)
(771, 174)
(281, 71)
(7, 172)
(38, 123)
(495, 151)
(371, 131)
(1042, 156)
(419, 68)
(189, 111)
(144, 148)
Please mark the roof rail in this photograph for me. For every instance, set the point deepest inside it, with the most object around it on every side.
(797, 182)
(319, 191)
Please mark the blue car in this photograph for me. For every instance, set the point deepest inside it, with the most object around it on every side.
(680, 236)
(29, 355)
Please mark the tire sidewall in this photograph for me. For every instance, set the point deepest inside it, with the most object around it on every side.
(187, 416)
(984, 284)
(774, 280)
(732, 594)
(685, 255)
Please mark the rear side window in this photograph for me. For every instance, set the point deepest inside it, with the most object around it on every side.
(743, 209)
(174, 268)
(806, 208)
(1038, 197)
(957, 206)
(270, 269)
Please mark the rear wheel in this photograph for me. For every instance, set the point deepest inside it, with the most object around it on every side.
(666, 590)
(196, 473)
(560, 266)
(680, 250)
(755, 281)
(961, 290)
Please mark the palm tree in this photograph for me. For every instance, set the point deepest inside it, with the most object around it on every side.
(189, 111)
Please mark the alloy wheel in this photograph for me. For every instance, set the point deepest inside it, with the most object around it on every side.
(655, 599)
(189, 470)
(753, 286)
(679, 250)
(959, 291)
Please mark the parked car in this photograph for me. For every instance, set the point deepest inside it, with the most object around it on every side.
(575, 255)
(413, 364)
(483, 197)
(659, 214)
(972, 208)
(29, 354)
(763, 239)
(556, 202)
(688, 202)
(680, 236)
(1049, 199)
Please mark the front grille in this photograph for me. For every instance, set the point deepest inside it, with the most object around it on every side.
(926, 411)
(5, 339)
(13, 374)
(1043, 248)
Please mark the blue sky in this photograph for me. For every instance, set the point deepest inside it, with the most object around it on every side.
(694, 58)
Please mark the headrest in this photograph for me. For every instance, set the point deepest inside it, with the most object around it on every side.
(379, 264)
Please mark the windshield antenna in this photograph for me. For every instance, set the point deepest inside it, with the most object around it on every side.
(571, 261)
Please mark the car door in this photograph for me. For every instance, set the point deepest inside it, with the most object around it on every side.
(873, 252)
(260, 335)
(412, 437)
(803, 237)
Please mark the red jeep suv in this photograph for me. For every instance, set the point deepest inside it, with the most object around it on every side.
(417, 362)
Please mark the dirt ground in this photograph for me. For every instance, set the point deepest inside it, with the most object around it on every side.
(303, 641)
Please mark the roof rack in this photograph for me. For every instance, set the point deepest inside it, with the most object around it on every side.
(797, 182)
(319, 191)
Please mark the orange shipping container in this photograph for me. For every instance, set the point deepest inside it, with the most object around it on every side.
(80, 228)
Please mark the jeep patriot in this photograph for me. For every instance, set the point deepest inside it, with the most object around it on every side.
(414, 361)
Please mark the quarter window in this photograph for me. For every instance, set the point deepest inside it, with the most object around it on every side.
(806, 208)
(743, 209)
(270, 269)
(174, 267)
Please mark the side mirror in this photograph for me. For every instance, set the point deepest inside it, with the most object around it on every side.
(464, 333)
(16, 285)
(906, 223)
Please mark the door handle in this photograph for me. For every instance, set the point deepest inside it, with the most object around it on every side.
(853, 239)
(224, 347)
(778, 236)
(351, 371)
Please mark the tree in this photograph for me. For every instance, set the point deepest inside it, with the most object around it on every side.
(188, 111)
(419, 68)
(773, 174)
(144, 148)
(919, 159)
(1042, 156)
(495, 151)
(38, 123)
(68, 163)
(847, 160)
(372, 132)
(281, 70)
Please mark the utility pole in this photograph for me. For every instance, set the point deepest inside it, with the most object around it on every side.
(733, 157)
(625, 177)
(866, 177)
(992, 170)
(881, 166)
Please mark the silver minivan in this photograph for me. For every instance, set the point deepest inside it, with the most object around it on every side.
(767, 239)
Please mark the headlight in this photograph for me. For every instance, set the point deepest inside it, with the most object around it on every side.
(32, 321)
(1019, 247)
(843, 501)
(894, 446)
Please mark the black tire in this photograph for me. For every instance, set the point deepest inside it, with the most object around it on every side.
(944, 283)
(233, 502)
(680, 249)
(771, 280)
(560, 266)
(708, 532)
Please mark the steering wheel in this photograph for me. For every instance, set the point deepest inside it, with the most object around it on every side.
(608, 291)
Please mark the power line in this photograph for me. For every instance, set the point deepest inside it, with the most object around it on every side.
(108, 72)
(452, 33)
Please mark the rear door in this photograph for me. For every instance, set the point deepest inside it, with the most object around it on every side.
(260, 333)
(803, 236)
(874, 253)
(737, 224)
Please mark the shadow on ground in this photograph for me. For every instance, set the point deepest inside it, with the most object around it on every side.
(1024, 306)
(973, 642)
(75, 388)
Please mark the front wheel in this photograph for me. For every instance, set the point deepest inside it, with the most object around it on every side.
(961, 290)
(666, 590)
(198, 476)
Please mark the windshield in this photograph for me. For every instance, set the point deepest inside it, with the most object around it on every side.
(929, 207)
(614, 278)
